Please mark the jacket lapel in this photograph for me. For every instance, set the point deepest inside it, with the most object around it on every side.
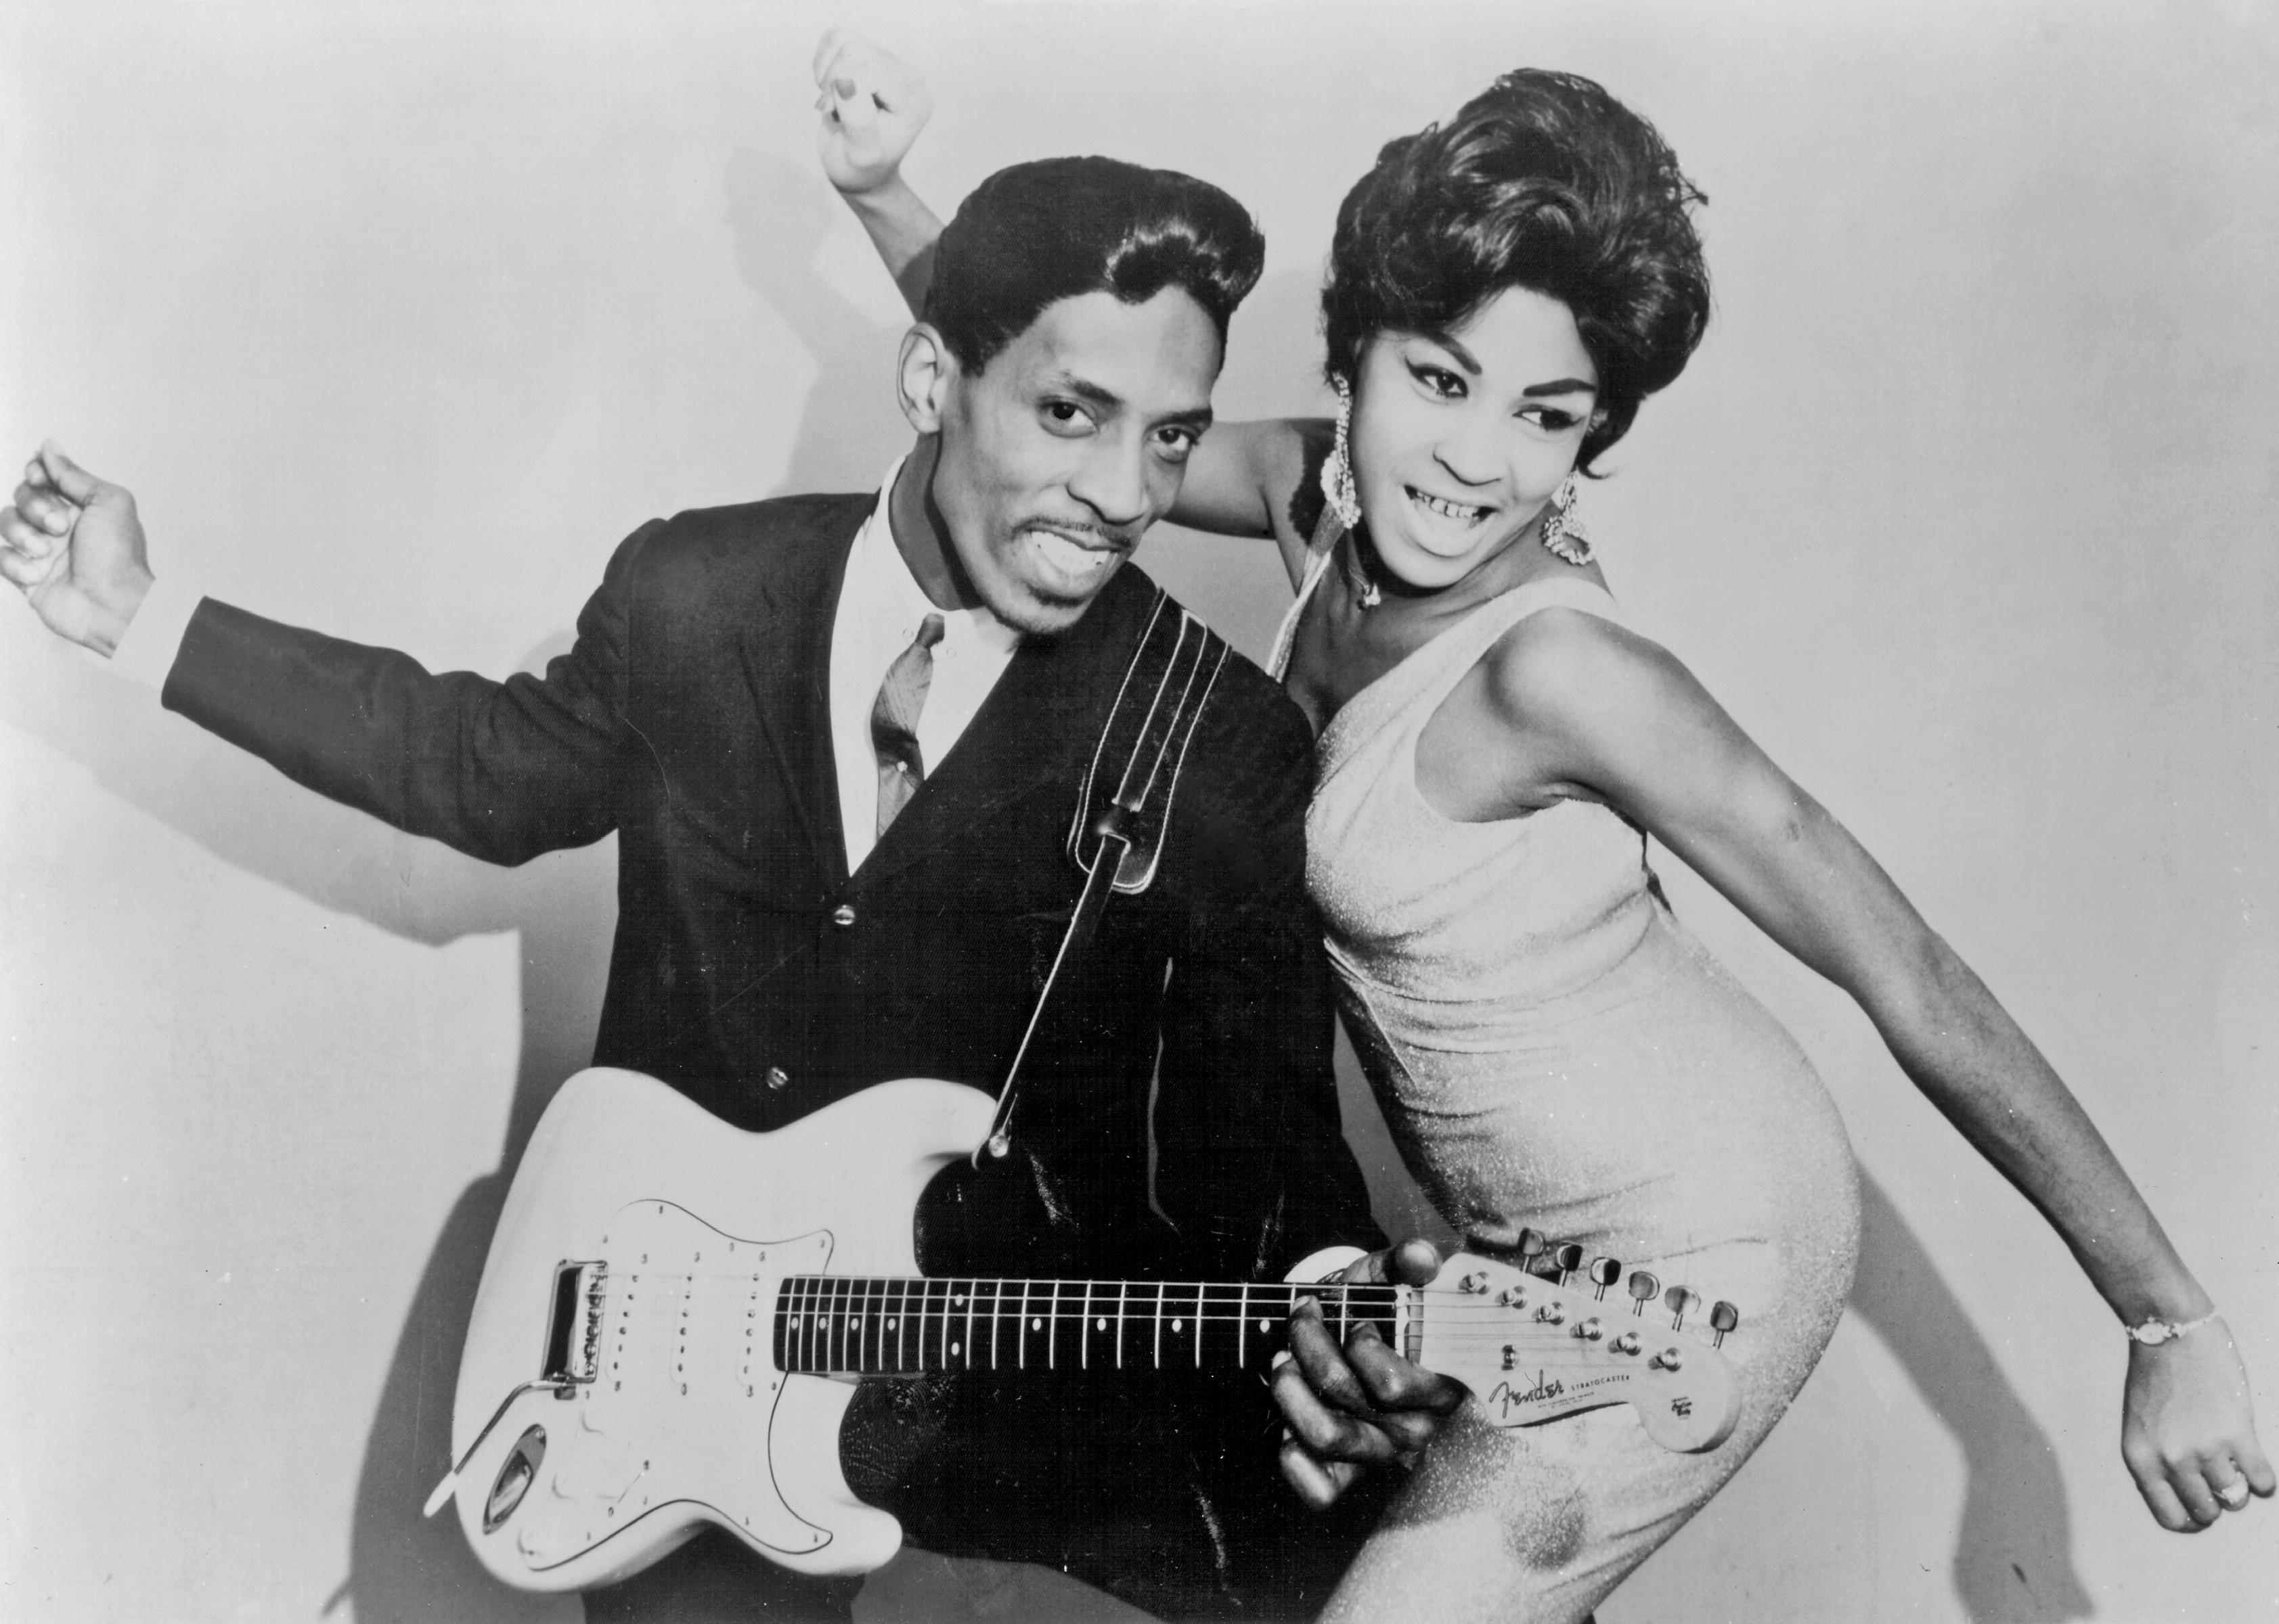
(1040, 724)
(786, 651)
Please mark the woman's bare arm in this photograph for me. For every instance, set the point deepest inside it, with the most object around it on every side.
(1589, 708)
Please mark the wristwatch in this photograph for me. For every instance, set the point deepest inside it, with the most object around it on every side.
(2152, 1333)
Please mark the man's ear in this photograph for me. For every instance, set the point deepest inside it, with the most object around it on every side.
(923, 377)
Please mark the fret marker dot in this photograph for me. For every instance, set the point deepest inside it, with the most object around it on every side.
(1265, 1326)
(1176, 1325)
(1101, 1324)
(1036, 1325)
(890, 1324)
(953, 1348)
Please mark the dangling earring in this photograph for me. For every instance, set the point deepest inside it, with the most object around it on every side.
(1563, 532)
(1337, 473)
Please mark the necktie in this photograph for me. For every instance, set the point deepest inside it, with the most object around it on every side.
(894, 722)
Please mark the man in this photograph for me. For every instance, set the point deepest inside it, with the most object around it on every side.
(839, 740)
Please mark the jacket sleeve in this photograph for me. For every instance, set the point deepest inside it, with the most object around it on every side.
(502, 771)
(1253, 1166)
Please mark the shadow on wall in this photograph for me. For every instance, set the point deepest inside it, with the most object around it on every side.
(2012, 1561)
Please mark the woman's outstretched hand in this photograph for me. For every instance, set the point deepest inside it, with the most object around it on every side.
(873, 105)
(2188, 1430)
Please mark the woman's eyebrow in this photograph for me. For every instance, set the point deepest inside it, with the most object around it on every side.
(1564, 385)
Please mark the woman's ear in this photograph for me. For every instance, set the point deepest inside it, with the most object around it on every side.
(923, 377)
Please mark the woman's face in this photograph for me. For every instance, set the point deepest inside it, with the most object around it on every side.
(1459, 440)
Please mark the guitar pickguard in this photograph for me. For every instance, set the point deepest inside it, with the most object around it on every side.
(684, 1392)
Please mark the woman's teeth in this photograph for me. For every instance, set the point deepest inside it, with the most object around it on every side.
(1447, 510)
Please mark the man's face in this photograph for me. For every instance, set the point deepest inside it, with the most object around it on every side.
(1060, 453)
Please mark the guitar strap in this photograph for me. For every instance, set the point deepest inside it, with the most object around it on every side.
(1123, 808)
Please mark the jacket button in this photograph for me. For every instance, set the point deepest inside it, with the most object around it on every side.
(779, 1078)
(843, 915)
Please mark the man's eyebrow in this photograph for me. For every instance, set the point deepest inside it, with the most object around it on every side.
(1090, 392)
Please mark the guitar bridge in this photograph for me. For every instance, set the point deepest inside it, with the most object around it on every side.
(573, 1330)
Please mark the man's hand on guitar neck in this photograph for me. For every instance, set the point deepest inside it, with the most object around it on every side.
(1360, 1405)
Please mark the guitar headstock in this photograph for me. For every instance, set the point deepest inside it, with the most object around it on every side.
(1533, 1350)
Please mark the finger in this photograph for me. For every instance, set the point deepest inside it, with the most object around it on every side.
(826, 51)
(1321, 1363)
(1319, 1482)
(24, 537)
(2255, 1466)
(853, 105)
(2198, 1499)
(67, 475)
(19, 571)
(1326, 1433)
(1394, 1384)
(2167, 1510)
(45, 508)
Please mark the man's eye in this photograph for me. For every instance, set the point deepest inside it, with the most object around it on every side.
(1066, 418)
(1176, 442)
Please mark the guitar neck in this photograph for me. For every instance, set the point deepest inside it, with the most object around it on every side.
(834, 1325)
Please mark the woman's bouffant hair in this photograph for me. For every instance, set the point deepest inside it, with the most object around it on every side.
(1543, 181)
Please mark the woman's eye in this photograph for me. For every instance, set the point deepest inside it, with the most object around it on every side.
(1551, 419)
(1438, 381)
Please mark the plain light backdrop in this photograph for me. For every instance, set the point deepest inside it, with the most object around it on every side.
(398, 316)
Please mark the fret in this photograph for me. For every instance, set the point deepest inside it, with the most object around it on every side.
(912, 1325)
(934, 1321)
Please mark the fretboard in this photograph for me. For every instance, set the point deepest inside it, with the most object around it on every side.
(829, 1324)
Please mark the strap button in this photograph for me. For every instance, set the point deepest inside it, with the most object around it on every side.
(779, 1078)
(843, 915)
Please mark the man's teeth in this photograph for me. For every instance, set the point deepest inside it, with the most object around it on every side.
(1070, 557)
(1447, 510)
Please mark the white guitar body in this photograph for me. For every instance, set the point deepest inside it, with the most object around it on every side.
(687, 1420)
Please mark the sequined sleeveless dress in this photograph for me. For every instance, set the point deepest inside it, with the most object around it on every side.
(1552, 1050)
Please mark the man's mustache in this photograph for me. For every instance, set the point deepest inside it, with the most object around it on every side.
(1087, 532)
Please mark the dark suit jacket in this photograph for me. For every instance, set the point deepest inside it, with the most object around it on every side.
(752, 972)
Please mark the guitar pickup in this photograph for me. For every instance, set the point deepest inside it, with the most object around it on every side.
(573, 1330)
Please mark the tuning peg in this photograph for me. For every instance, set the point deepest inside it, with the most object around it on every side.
(1681, 1301)
(1531, 1246)
(1604, 1273)
(1643, 1286)
(1590, 1329)
(1569, 1258)
(1722, 1318)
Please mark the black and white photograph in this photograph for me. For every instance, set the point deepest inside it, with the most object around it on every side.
(1084, 810)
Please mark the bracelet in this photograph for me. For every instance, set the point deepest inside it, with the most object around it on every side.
(2152, 1333)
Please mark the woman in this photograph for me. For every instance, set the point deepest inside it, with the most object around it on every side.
(1551, 1048)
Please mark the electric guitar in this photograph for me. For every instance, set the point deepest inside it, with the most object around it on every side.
(674, 1310)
